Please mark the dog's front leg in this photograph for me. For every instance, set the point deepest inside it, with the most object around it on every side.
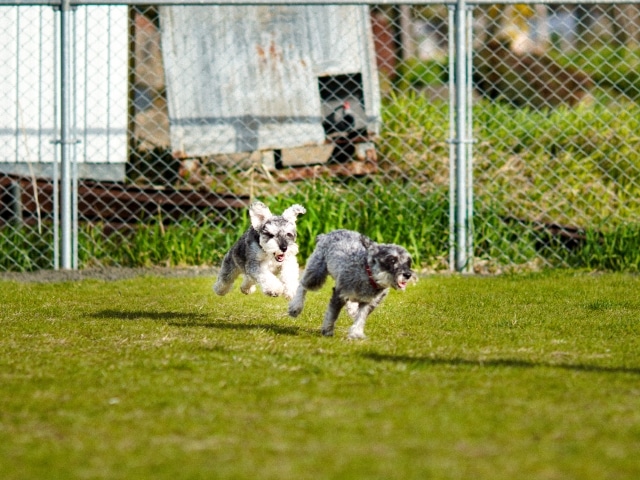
(258, 273)
(356, 332)
(270, 284)
(331, 315)
(297, 302)
(352, 309)
(289, 275)
(360, 318)
(248, 285)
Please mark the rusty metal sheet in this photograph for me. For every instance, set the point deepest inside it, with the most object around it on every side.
(245, 78)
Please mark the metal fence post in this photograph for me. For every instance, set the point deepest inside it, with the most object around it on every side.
(469, 138)
(461, 246)
(55, 173)
(452, 148)
(66, 150)
(461, 131)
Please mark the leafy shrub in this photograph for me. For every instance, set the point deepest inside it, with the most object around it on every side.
(614, 67)
(416, 73)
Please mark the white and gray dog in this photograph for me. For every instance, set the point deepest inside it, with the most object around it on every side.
(364, 272)
(265, 254)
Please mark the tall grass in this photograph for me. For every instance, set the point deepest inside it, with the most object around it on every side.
(24, 248)
(609, 66)
(394, 213)
(575, 166)
(391, 213)
(617, 249)
(189, 242)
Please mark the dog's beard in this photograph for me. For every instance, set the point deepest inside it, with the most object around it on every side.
(397, 281)
(401, 281)
(271, 247)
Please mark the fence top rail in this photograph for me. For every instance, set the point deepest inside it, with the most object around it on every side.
(58, 3)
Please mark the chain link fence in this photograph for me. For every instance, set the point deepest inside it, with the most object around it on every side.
(181, 115)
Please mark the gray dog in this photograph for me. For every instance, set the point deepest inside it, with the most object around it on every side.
(267, 248)
(363, 271)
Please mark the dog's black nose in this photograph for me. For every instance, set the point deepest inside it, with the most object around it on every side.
(406, 275)
(283, 248)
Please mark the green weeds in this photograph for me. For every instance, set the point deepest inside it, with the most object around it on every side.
(610, 67)
(395, 213)
(25, 249)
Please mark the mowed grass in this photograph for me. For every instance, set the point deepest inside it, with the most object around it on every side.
(511, 377)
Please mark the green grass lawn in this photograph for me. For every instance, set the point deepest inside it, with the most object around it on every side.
(511, 377)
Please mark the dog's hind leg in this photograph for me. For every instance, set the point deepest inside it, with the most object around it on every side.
(331, 315)
(228, 273)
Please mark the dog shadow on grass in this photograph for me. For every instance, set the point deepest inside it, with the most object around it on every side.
(500, 362)
(203, 320)
(222, 325)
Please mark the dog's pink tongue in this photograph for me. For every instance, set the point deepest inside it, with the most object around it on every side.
(280, 257)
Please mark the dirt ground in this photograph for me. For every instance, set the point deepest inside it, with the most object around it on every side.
(107, 274)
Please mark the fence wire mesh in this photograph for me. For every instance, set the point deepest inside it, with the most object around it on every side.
(182, 115)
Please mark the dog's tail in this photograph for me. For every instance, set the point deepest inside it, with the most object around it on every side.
(315, 273)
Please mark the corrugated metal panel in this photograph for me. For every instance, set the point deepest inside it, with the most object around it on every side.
(102, 36)
(30, 60)
(245, 78)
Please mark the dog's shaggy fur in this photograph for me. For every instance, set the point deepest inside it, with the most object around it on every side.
(364, 272)
(266, 251)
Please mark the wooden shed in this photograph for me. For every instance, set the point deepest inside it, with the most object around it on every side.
(261, 78)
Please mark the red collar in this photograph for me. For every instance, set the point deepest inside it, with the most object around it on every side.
(370, 275)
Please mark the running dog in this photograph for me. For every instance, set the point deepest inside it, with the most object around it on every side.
(364, 272)
(265, 254)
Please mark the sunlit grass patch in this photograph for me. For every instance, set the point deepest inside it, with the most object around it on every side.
(461, 377)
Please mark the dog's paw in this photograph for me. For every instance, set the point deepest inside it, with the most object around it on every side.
(327, 332)
(247, 290)
(356, 335)
(273, 291)
(295, 309)
(221, 288)
(288, 294)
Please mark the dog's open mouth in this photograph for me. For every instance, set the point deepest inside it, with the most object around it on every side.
(279, 257)
(402, 284)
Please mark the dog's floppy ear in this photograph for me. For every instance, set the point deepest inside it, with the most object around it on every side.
(259, 213)
(367, 243)
(291, 213)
